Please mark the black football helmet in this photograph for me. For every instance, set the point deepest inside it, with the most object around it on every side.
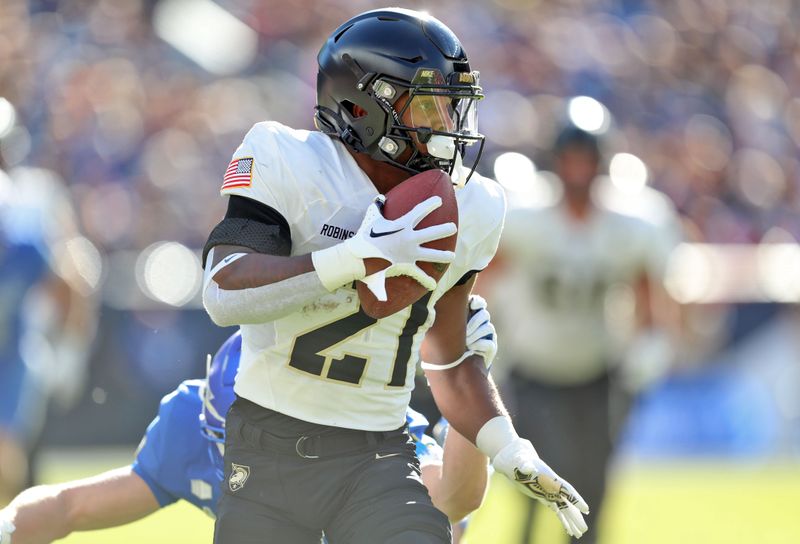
(398, 64)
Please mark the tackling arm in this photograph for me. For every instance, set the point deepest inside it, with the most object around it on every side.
(46, 513)
(458, 485)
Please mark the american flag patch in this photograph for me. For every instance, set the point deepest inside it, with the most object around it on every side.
(238, 174)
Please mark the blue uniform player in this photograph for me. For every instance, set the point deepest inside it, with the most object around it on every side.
(23, 270)
(180, 457)
(39, 350)
(23, 266)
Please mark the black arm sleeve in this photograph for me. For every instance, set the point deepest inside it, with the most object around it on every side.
(466, 277)
(251, 224)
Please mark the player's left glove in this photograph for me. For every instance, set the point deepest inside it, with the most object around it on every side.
(516, 458)
(481, 335)
(522, 465)
(6, 528)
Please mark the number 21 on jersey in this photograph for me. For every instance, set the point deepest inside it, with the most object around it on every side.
(307, 353)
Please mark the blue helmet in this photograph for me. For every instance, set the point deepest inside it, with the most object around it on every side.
(218, 394)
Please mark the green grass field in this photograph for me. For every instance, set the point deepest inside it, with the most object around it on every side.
(697, 503)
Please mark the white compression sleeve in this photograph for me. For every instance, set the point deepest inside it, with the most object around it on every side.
(261, 304)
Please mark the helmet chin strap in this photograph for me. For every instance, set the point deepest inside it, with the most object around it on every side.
(458, 177)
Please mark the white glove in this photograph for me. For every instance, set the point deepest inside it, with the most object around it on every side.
(394, 240)
(519, 462)
(516, 458)
(6, 528)
(481, 335)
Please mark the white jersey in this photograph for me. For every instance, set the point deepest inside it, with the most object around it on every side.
(562, 310)
(328, 362)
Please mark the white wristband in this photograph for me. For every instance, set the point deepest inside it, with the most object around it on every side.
(431, 366)
(336, 266)
(496, 434)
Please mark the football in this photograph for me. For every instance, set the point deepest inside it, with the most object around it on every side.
(403, 291)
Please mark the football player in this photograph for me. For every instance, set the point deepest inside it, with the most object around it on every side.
(323, 388)
(565, 274)
(46, 323)
(180, 457)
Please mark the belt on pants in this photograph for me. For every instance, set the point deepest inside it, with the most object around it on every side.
(329, 443)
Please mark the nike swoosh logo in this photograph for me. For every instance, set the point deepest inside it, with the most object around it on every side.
(374, 234)
(228, 258)
(379, 456)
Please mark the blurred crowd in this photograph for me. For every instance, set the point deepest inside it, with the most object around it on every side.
(137, 119)
(701, 90)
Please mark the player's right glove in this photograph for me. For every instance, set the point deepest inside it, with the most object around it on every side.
(6, 528)
(393, 240)
(516, 458)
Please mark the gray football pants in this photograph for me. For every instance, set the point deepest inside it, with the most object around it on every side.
(372, 496)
